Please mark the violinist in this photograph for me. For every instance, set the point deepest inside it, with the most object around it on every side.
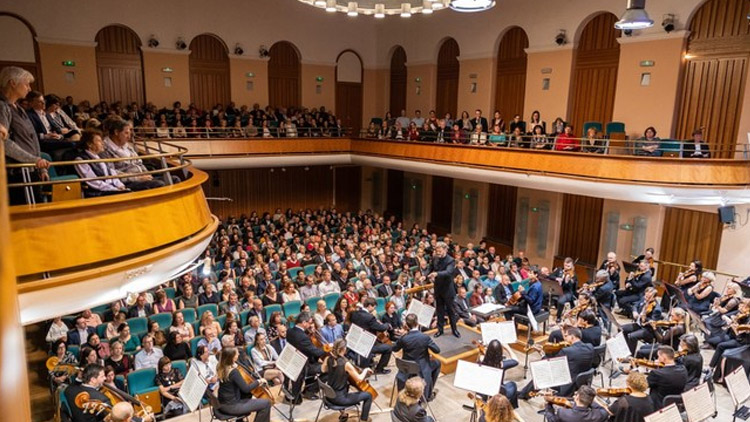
(569, 283)
(392, 318)
(584, 408)
(235, 395)
(416, 347)
(364, 318)
(601, 288)
(612, 267)
(668, 380)
(498, 409)
(689, 278)
(297, 337)
(339, 371)
(721, 309)
(665, 332)
(734, 337)
(645, 311)
(648, 256)
(691, 358)
(408, 406)
(586, 321)
(635, 286)
(531, 297)
(635, 406)
(700, 296)
(493, 357)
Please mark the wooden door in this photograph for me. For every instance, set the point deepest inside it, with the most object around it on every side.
(447, 79)
(688, 235)
(395, 194)
(442, 205)
(398, 81)
(510, 89)
(580, 228)
(501, 217)
(209, 72)
(348, 188)
(349, 105)
(284, 76)
(119, 65)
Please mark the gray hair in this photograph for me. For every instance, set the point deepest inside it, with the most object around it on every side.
(15, 74)
(602, 274)
(441, 245)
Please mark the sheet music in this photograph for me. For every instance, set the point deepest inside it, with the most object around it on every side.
(360, 341)
(477, 378)
(667, 414)
(548, 373)
(505, 332)
(192, 389)
(423, 312)
(698, 403)
(738, 385)
(291, 362)
(487, 308)
(617, 347)
(532, 320)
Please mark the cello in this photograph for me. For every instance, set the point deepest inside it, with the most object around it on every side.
(262, 391)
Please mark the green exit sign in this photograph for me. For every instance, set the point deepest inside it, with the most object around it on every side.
(319, 78)
(69, 63)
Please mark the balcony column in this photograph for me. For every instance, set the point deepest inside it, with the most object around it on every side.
(14, 384)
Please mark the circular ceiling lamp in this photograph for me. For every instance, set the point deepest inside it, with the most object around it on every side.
(381, 8)
(635, 16)
(472, 5)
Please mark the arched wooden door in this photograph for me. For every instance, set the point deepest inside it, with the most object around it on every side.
(714, 76)
(349, 90)
(209, 72)
(284, 75)
(18, 46)
(398, 81)
(119, 65)
(597, 57)
(447, 78)
(510, 84)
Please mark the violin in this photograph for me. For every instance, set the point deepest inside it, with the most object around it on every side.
(655, 324)
(636, 274)
(573, 312)
(680, 354)
(560, 401)
(647, 309)
(643, 362)
(514, 299)
(262, 391)
(480, 346)
(384, 338)
(592, 286)
(613, 392)
(742, 328)
(554, 348)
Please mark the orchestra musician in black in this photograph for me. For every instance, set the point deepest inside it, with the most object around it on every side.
(644, 312)
(635, 287)
(568, 280)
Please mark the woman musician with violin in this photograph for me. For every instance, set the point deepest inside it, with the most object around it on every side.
(701, 295)
(722, 310)
(586, 321)
(689, 278)
(737, 334)
(340, 371)
(645, 311)
(567, 279)
(235, 394)
(689, 355)
(633, 403)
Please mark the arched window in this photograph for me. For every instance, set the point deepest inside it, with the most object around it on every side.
(349, 90)
(447, 78)
(18, 46)
(510, 84)
(119, 65)
(595, 75)
(284, 76)
(398, 81)
(209, 72)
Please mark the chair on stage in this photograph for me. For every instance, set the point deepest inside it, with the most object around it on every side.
(541, 318)
(216, 414)
(599, 353)
(326, 394)
(410, 369)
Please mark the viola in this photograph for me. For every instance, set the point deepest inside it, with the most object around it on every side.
(613, 392)
(480, 346)
(653, 364)
(560, 401)
(554, 348)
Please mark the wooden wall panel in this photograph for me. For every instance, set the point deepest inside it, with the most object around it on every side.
(511, 73)
(714, 80)
(501, 214)
(580, 228)
(448, 69)
(398, 81)
(263, 190)
(209, 72)
(688, 235)
(394, 204)
(348, 188)
(349, 105)
(119, 65)
(442, 205)
(284, 76)
(592, 90)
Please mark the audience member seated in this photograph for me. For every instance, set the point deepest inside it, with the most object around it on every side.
(698, 148)
(648, 145)
(92, 147)
(593, 142)
(566, 141)
(148, 356)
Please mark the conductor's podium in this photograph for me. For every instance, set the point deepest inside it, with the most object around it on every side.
(453, 349)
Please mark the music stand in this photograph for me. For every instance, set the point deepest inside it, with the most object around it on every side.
(552, 287)
(698, 322)
(612, 320)
(676, 295)
(629, 267)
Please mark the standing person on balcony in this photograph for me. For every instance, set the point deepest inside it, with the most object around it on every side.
(22, 145)
(478, 120)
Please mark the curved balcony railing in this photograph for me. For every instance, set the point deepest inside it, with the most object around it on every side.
(181, 132)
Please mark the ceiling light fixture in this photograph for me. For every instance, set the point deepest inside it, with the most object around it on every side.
(380, 10)
(352, 9)
(405, 10)
(635, 16)
(427, 7)
(471, 5)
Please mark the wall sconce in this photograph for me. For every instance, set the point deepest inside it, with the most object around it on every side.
(180, 44)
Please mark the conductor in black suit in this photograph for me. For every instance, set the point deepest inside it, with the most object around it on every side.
(417, 347)
(364, 319)
(297, 337)
(445, 290)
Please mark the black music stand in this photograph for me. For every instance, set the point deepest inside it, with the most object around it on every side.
(676, 295)
(552, 287)
(612, 321)
(629, 267)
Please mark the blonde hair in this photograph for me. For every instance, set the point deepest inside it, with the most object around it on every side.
(736, 287)
(412, 392)
(637, 381)
(499, 409)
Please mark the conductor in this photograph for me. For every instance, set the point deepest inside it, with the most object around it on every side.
(445, 290)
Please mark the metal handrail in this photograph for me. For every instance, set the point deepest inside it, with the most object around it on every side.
(230, 132)
(680, 266)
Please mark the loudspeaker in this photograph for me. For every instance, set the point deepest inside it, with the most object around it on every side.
(726, 214)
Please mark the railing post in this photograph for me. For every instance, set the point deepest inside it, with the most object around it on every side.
(28, 190)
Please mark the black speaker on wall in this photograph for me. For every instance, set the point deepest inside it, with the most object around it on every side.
(726, 214)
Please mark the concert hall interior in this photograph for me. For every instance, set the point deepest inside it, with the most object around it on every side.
(384, 210)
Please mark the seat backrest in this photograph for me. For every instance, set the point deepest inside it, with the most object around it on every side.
(613, 127)
(326, 390)
(312, 302)
(587, 125)
(292, 308)
(599, 352)
(164, 319)
(189, 314)
(181, 366)
(214, 308)
(138, 325)
(331, 299)
(408, 367)
(585, 378)
(270, 309)
(674, 398)
(141, 380)
(194, 344)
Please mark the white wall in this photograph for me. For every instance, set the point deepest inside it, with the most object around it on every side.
(16, 41)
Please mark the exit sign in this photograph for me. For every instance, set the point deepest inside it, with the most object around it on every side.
(69, 63)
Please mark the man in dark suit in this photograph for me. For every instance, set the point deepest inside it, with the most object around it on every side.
(668, 380)
(80, 334)
(462, 310)
(385, 289)
(504, 290)
(635, 287)
(442, 134)
(479, 120)
(584, 408)
(45, 131)
(417, 347)
(258, 311)
(279, 342)
(92, 379)
(141, 308)
(696, 149)
(69, 108)
(364, 319)
(443, 267)
(301, 341)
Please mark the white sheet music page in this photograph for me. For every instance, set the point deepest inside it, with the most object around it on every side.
(487, 308)
(423, 312)
(667, 414)
(477, 378)
(504, 332)
(360, 341)
(698, 403)
(548, 373)
(738, 385)
(617, 347)
(192, 389)
(532, 320)
(291, 362)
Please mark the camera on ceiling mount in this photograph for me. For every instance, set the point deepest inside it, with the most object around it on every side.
(238, 49)
(668, 23)
(561, 38)
(180, 44)
(153, 42)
